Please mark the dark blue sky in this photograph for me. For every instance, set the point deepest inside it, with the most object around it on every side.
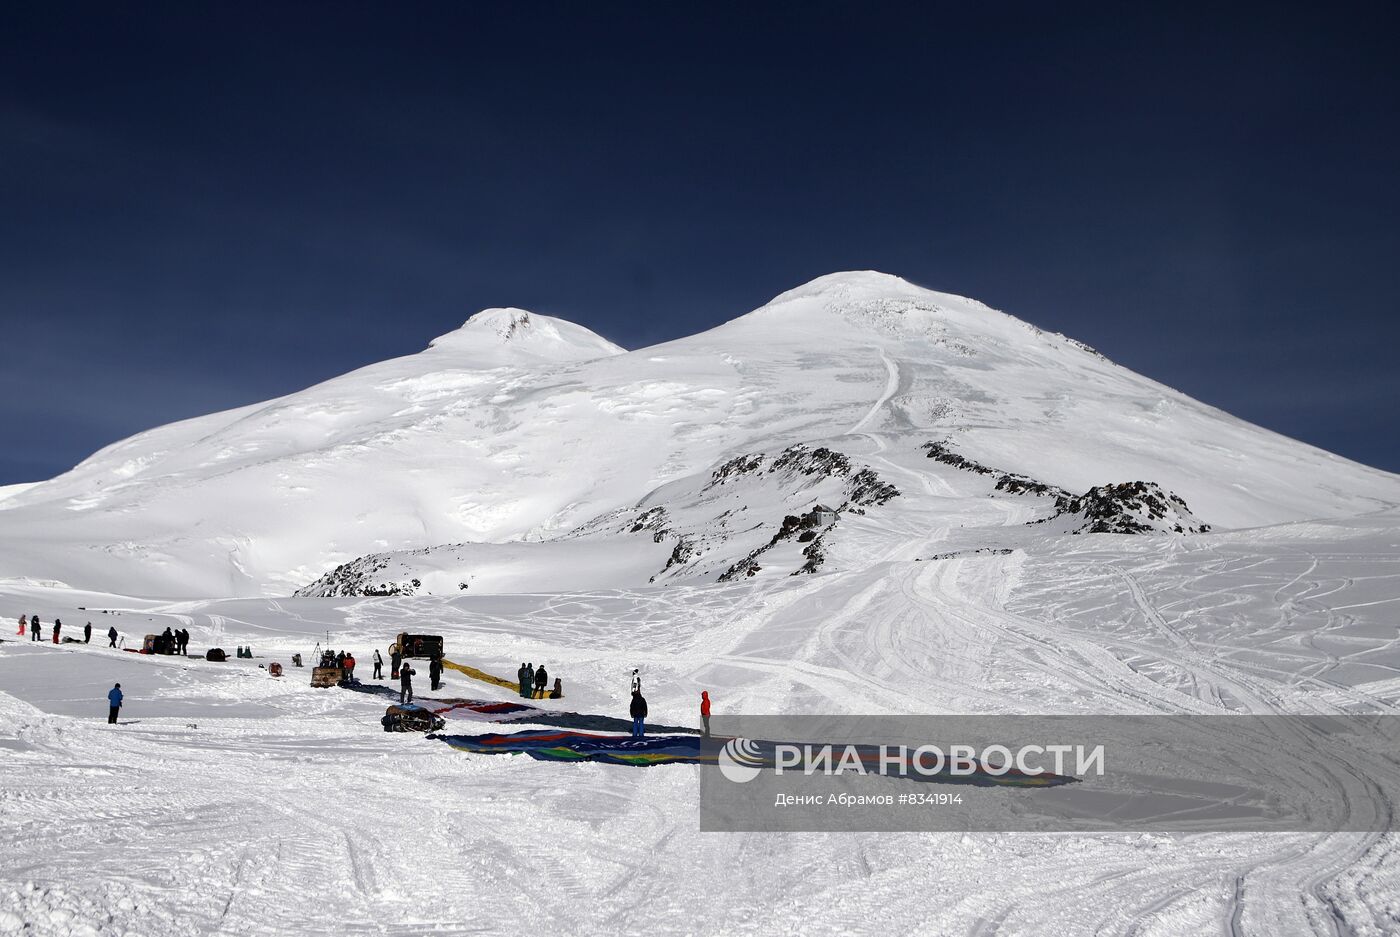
(206, 205)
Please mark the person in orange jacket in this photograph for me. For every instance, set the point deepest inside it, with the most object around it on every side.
(349, 666)
(705, 710)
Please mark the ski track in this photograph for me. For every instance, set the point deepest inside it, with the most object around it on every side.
(891, 385)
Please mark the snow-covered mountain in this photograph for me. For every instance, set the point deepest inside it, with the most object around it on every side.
(521, 435)
(961, 484)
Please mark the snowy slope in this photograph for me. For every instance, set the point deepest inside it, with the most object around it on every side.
(9, 491)
(229, 800)
(523, 428)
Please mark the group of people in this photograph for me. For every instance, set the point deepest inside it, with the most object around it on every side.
(171, 642)
(638, 709)
(399, 669)
(342, 659)
(406, 672)
(533, 682)
(35, 628)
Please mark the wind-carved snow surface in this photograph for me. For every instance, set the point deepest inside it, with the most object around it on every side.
(863, 498)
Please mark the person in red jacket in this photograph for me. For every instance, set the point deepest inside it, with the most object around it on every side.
(23, 621)
(349, 666)
(705, 710)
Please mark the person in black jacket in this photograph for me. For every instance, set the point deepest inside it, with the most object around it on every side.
(57, 627)
(87, 633)
(639, 714)
(435, 672)
(541, 681)
(112, 636)
(36, 632)
(405, 683)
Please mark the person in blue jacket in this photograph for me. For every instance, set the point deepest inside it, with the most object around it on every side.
(114, 697)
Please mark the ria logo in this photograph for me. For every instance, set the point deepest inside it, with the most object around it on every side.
(739, 760)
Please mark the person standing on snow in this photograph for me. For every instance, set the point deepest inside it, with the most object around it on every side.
(705, 711)
(520, 677)
(395, 659)
(87, 633)
(114, 703)
(639, 714)
(378, 665)
(528, 687)
(112, 636)
(349, 666)
(636, 681)
(23, 622)
(36, 630)
(435, 672)
(541, 681)
(57, 627)
(405, 684)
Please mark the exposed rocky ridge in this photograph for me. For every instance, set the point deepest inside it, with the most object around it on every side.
(1129, 508)
(1010, 482)
(793, 467)
(1136, 507)
(362, 576)
(864, 488)
(808, 529)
